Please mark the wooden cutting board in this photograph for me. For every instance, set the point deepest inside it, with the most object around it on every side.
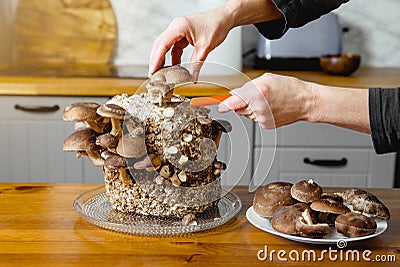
(82, 31)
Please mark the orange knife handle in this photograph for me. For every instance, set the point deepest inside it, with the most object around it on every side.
(221, 97)
(208, 100)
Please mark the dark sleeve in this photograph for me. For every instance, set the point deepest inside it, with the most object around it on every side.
(384, 117)
(296, 13)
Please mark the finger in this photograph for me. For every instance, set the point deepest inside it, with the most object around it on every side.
(252, 117)
(232, 103)
(177, 51)
(198, 57)
(160, 47)
(244, 112)
(194, 69)
(157, 56)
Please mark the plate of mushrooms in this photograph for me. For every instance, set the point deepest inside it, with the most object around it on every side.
(302, 212)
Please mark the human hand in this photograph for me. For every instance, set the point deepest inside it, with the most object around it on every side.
(204, 31)
(271, 100)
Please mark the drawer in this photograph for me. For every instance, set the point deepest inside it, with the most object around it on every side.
(288, 165)
(319, 160)
(312, 135)
(9, 106)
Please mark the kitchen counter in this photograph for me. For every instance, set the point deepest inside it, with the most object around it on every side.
(50, 82)
(39, 227)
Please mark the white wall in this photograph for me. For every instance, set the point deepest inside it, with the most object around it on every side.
(374, 31)
(140, 22)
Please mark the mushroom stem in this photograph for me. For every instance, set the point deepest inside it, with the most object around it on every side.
(217, 138)
(307, 217)
(95, 157)
(126, 179)
(80, 154)
(80, 125)
(323, 216)
(116, 127)
(92, 124)
(305, 226)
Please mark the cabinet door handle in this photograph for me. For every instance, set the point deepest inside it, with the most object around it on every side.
(326, 162)
(37, 109)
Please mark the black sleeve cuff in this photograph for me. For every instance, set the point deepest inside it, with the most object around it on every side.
(272, 29)
(384, 116)
(296, 13)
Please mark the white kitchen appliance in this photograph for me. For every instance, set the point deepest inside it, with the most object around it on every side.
(301, 48)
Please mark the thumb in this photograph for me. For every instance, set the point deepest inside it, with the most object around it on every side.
(234, 102)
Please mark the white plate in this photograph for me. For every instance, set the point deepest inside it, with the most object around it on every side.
(332, 238)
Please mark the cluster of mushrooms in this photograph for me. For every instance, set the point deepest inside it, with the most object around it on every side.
(304, 209)
(132, 148)
(98, 136)
(98, 133)
(100, 125)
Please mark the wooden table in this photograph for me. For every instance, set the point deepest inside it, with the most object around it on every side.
(39, 227)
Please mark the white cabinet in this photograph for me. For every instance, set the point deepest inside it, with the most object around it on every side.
(235, 149)
(31, 149)
(331, 155)
(31, 142)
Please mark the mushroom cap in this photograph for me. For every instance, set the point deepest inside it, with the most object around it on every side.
(272, 196)
(328, 205)
(106, 140)
(284, 218)
(306, 191)
(223, 125)
(220, 165)
(131, 146)
(106, 154)
(177, 75)
(171, 75)
(354, 224)
(80, 111)
(363, 201)
(112, 111)
(159, 91)
(158, 77)
(333, 196)
(115, 162)
(82, 140)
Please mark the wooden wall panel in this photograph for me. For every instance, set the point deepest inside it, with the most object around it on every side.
(7, 11)
(65, 31)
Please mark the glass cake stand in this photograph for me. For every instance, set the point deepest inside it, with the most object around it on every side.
(96, 209)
